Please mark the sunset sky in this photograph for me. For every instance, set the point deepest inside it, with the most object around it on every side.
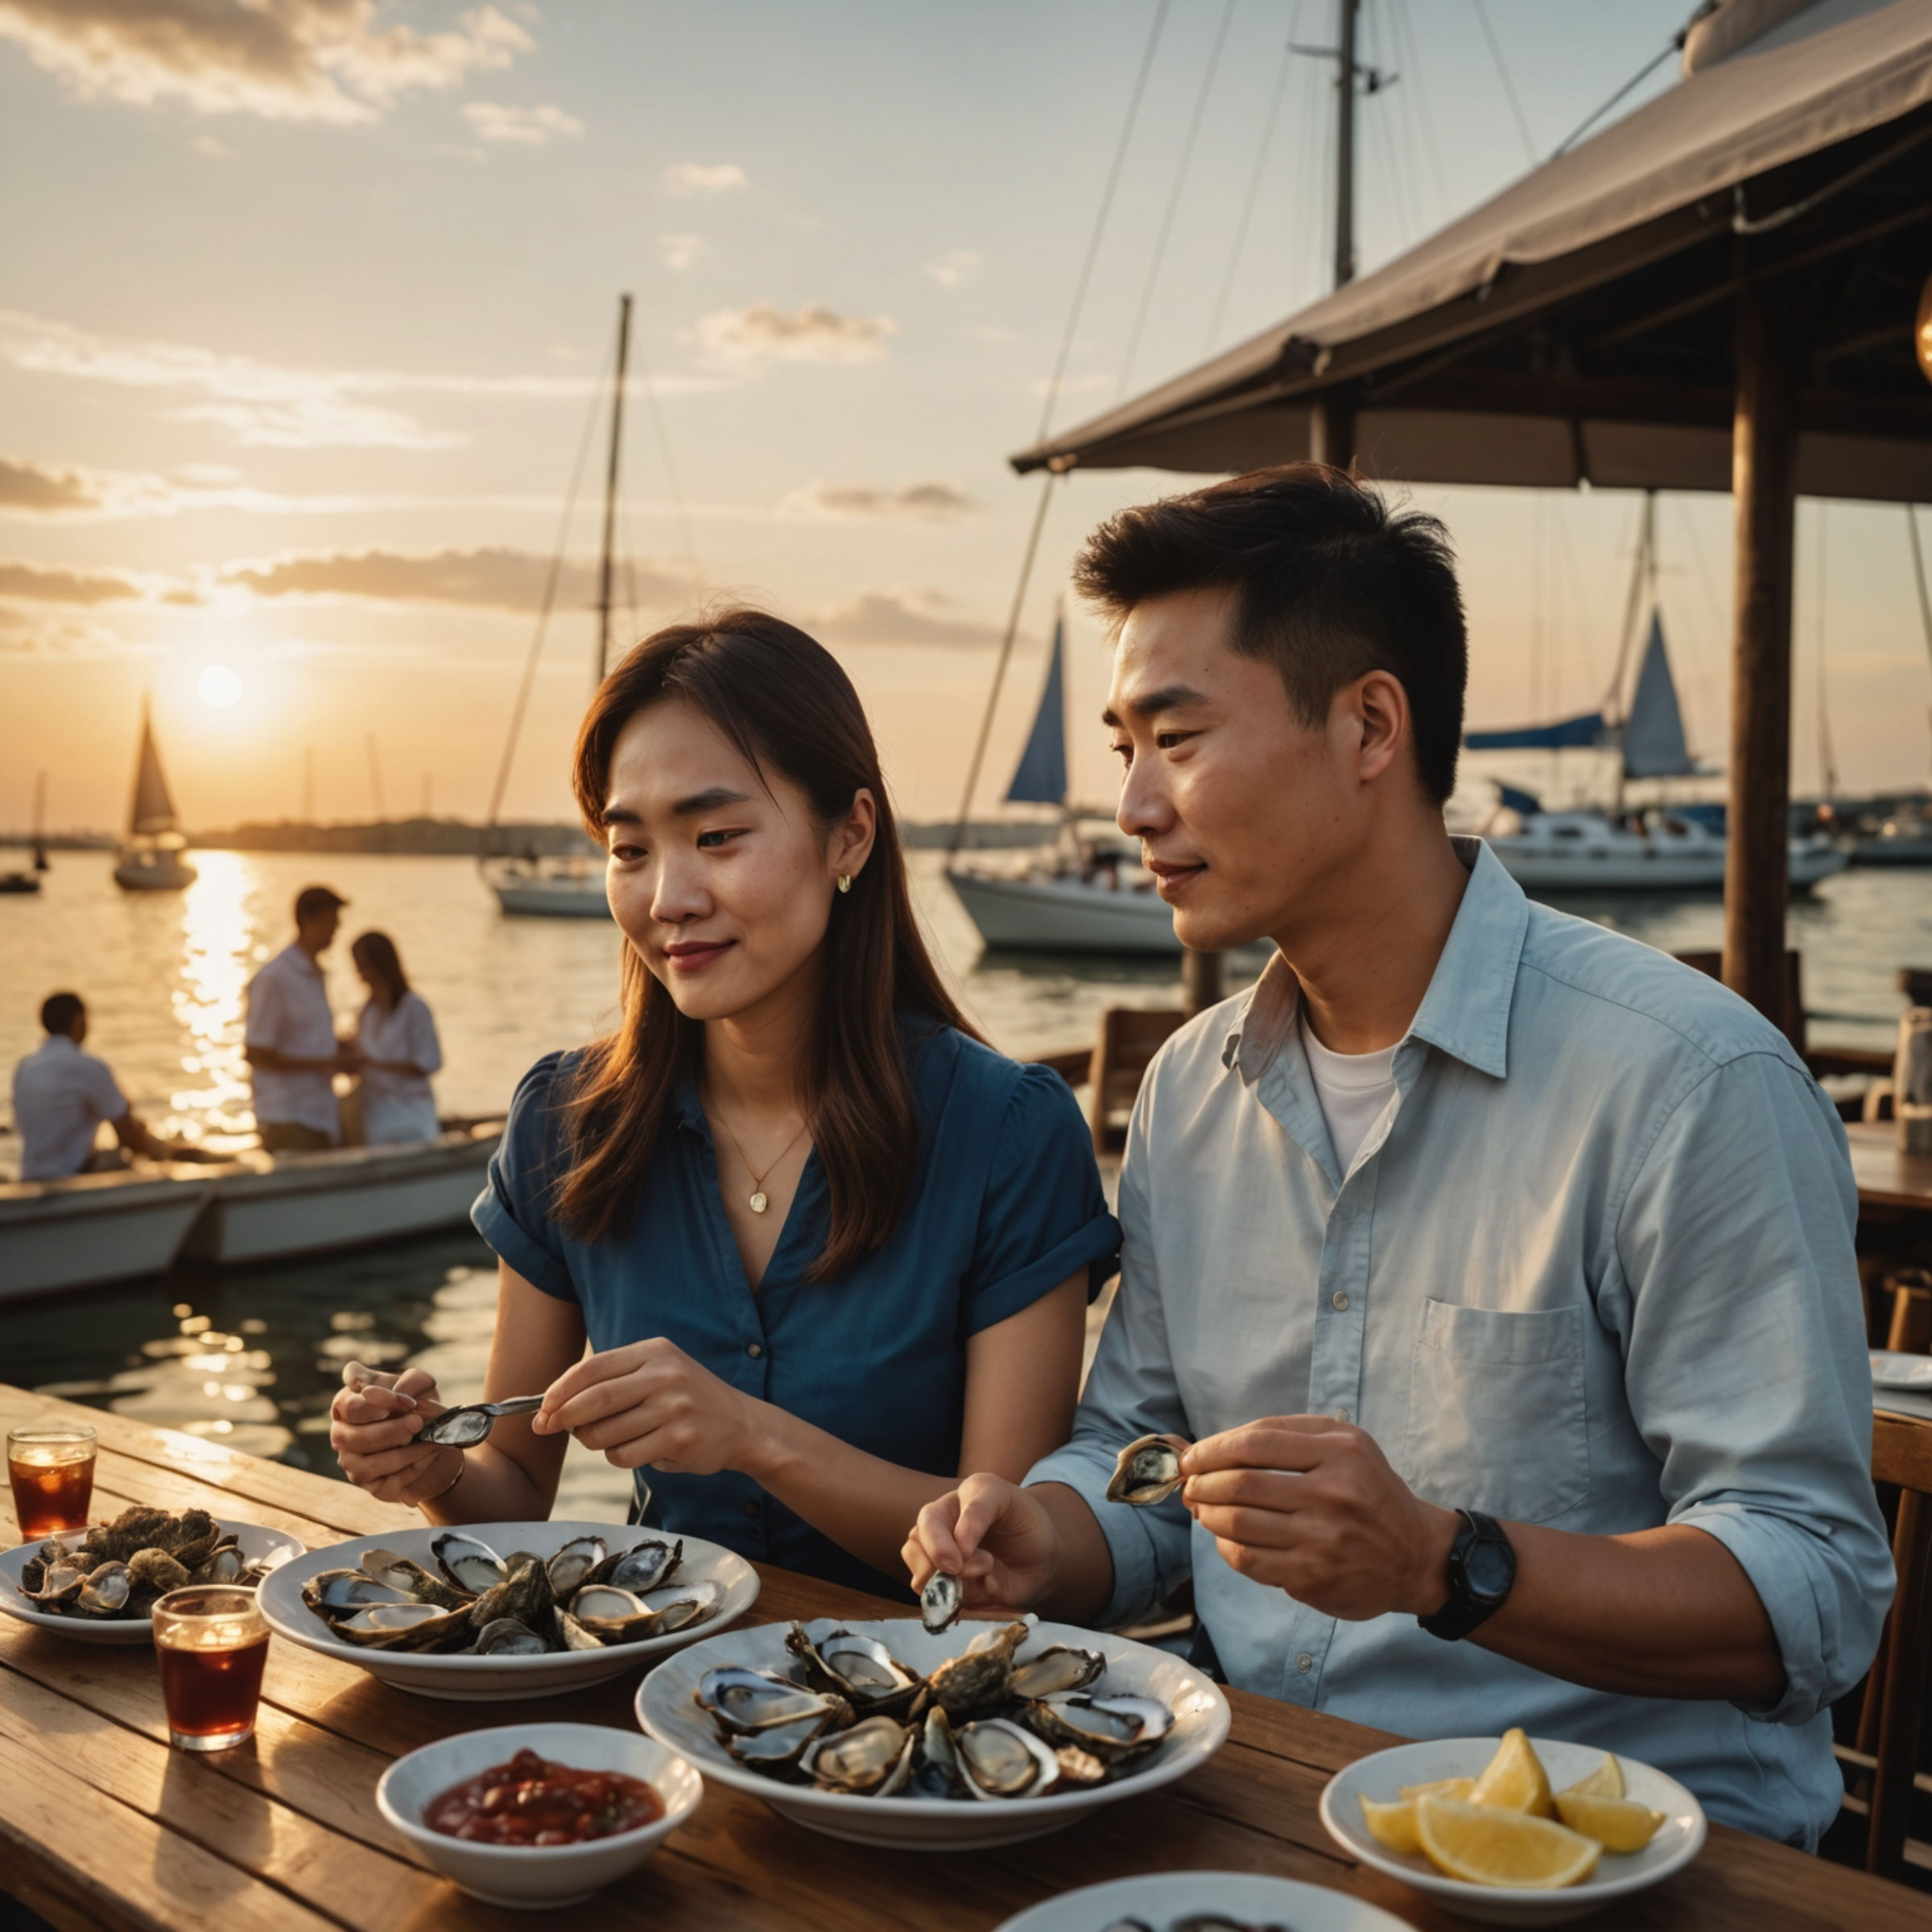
(303, 302)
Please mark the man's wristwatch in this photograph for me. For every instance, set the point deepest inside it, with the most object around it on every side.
(1482, 1571)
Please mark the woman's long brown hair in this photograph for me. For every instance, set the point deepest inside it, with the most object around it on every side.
(783, 700)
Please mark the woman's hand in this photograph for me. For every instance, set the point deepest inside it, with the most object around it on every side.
(649, 1403)
(996, 1538)
(373, 1425)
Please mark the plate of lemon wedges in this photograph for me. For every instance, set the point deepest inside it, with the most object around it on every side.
(1523, 1831)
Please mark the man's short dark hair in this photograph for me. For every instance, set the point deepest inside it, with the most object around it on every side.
(1329, 584)
(313, 899)
(59, 1010)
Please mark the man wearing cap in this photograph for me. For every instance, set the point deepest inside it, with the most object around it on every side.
(290, 1037)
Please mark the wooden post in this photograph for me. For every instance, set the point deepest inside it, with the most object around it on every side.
(1331, 428)
(1764, 446)
(1201, 980)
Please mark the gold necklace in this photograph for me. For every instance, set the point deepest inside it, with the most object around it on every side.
(760, 1200)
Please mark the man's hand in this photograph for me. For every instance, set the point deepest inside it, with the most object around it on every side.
(649, 1403)
(1310, 1505)
(996, 1538)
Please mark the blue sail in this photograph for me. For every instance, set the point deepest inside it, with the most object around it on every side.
(1563, 735)
(1040, 778)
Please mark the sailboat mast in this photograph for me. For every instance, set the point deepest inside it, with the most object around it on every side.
(610, 488)
(1344, 147)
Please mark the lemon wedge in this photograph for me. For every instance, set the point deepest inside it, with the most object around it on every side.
(1441, 1787)
(1484, 1846)
(1616, 1823)
(1393, 1826)
(1514, 1779)
(1606, 1780)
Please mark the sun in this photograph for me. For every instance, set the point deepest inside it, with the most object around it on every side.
(219, 687)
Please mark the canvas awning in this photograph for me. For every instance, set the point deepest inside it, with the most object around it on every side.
(1577, 326)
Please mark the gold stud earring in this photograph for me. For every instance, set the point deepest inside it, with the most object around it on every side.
(844, 881)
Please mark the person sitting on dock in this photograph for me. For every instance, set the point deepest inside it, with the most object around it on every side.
(1498, 1268)
(396, 1036)
(62, 1095)
(289, 1039)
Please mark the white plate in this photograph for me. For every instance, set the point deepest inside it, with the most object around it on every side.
(1678, 1840)
(1160, 1898)
(529, 1876)
(257, 1543)
(1893, 1370)
(668, 1710)
(474, 1679)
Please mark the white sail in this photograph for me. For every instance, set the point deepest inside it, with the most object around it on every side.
(152, 811)
(1653, 733)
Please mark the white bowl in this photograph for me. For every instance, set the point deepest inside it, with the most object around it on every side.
(257, 1544)
(668, 1710)
(1163, 1898)
(471, 1679)
(1679, 1837)
(530, 1875)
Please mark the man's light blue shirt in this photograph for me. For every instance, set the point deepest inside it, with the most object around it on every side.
(1592, 1268)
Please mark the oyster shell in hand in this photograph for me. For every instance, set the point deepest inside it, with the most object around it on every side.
(1148, 1471)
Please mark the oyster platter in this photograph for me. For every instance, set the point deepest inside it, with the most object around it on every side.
(893, 1733)
(507, 1610)
(97, 1585)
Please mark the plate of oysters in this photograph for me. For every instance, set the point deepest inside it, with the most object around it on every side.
(98, 1585)
(892, 1733)
(489, 1611)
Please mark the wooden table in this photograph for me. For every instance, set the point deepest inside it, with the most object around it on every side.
(102, 1826)
(1891, 1184)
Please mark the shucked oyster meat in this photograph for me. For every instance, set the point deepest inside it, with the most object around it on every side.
(1148, 1471)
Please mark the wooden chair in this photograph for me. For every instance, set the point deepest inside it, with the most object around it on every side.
(1888, 1725)
(1129, 1038)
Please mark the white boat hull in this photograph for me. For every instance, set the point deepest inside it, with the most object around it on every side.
(130, 875)
(1603, 858)
(1066, 915)
(553, 899)
(98, 1227)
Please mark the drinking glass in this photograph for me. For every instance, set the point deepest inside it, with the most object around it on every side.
(212, 1641)
(52, 1469)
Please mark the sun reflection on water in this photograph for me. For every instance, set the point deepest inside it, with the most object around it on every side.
(222, 943)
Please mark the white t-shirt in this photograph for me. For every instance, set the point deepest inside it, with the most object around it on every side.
(1353, 1089)
(60, 1096)
(288, 1010)
(399, 1106)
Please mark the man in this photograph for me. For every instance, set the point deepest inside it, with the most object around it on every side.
(290, 1036)
(61, 1095)
(1499, 1267)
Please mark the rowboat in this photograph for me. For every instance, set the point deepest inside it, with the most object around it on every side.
(101, 1227)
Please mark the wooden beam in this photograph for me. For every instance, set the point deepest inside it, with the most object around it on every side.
(1331, 428)
(1763, 460)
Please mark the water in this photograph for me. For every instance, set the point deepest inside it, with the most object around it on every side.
(251, 1357)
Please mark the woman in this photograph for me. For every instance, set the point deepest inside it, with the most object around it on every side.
(829, 1251)
(396, 1036)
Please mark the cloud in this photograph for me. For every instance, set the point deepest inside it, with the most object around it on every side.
(956, 267)
(680, 252)
(210, 149)
(268, 405)
(281, 59)
(899, 616)
(696, 178)
(39, 583)
(526, 126)
(35, 634)
(918, 502)
(495, 578)
(765, 333)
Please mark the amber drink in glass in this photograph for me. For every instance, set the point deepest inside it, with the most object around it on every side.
(212, 1642)
(52, 1469)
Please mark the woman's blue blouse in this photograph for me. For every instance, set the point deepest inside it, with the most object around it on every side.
(1006, 1203)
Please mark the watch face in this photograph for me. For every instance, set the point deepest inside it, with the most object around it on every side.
(1488, 1569)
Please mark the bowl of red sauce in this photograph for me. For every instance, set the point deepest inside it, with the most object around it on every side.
(539, 1814)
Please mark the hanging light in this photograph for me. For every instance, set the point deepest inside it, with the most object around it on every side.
(1922, 330)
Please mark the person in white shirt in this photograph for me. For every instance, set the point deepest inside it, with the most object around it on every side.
(61, 1095)
(290, 1036)
(396, 1035)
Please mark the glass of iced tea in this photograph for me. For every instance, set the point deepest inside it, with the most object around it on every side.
(51, 1468)
(212, 1642)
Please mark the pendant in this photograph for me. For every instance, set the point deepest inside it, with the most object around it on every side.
(759, 1203)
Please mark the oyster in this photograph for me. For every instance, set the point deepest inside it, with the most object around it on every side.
(998, 1759)
(224, 1564)
(468, 1564)
(980, 1679)
(677, 1606)
(157, 1570)
(405, 1626)
(335, 1594)
(507, 1637)
(1057, 1670)
(61, 1582)
(139, 1527)
(872, 1760)
(738, 1699)
(572, 1566)
(776, 1749)
(622, 1616)
(524, 1593)
(1078, 1767)
(405, 1573)
(1147, 1470)
(937, 1772)
(574, 1636)
(859, 1667)
(941, 1601)
(645, 1565)
(1115, 1729)
(105, 1591)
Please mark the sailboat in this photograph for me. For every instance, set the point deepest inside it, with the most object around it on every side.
(1092, 895)
(150, 858)
(570, 887)
(30, 881)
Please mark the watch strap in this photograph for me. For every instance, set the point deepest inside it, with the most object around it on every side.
(1470, 1604)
